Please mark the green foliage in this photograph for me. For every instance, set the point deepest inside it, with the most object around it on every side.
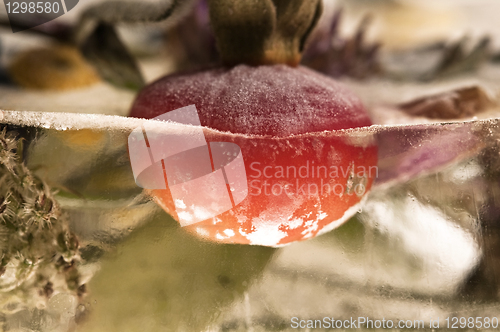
(263, 31)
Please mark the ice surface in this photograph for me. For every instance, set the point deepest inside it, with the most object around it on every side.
(87, 155)
(428, 229)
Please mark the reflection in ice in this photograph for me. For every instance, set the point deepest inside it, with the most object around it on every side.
(436, 254)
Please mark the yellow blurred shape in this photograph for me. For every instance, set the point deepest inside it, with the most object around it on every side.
(56, 68)
(407, 24)
(82, 138)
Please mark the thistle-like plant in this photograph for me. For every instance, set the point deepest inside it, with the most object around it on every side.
(38, 253)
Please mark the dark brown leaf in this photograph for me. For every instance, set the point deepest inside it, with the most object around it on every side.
(105, 51)
(457, 104)
(101, 45)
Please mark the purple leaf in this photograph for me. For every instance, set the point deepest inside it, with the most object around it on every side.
(407, 151)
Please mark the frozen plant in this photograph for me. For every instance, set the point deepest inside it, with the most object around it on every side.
(39, 254)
